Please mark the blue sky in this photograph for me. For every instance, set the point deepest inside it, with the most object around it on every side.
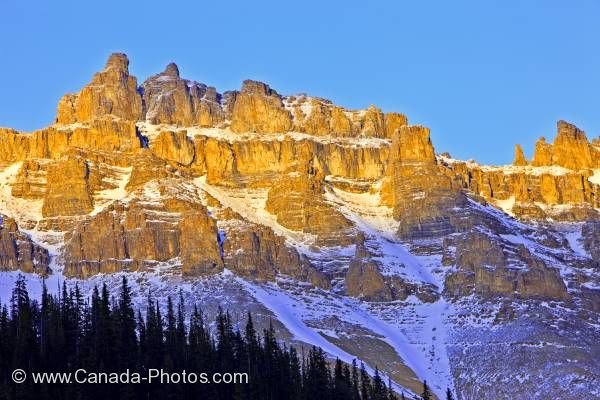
(483, 75)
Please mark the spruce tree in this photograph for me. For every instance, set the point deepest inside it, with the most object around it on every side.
(426, 395)
(341, 386)
(365, 383)
(378, 389)
(125, 327)
(391, 394)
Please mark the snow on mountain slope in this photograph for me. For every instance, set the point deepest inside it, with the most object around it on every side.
(105, 197)
(23, 211)
(419, 337)
(250, 203)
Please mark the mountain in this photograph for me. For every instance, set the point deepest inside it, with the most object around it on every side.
(343, 227)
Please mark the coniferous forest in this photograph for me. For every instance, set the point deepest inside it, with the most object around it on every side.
(106, 335)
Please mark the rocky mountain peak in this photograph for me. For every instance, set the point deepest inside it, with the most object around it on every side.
(257, 87)
(567, 131)
(118, 61)
(571, 149)
(519, 156)
(171, 70)
(111, 93)
(258, 108)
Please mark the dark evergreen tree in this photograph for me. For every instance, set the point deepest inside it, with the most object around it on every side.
(391, 394)
(125, 328)
(426, 395)
(317, 379)
(341, 385)
(378, 389)
(365, 383)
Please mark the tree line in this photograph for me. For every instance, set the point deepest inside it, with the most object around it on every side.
(104, 334)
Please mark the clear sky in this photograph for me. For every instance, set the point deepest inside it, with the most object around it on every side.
(483, 75)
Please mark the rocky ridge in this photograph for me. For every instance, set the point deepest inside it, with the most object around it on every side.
(172, 175)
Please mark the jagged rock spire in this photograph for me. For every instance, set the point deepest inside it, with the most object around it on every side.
(519, 156)
(112, 92)
(118, 61)
(571, 149)
(172, 70)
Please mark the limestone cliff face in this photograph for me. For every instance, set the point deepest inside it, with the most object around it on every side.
(166, 223)
(67, 191)
(174, 146)
(112, 92)
(260, 163)
(419, 192)
(19, 252)
(30, 182)
(137, 235)
(258, 108)
(570, 149)
(298, 201)
(364, 280)
(489, 267)
(256, 252)
(54, 142)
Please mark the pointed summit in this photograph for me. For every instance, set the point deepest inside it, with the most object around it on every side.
(566, 131)
(118, 61)
(172, 70)
(170, 99)
(542, 155)
(519, 156)
(111, 91)
(259, 108)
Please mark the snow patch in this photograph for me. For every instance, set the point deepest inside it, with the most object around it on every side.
(506, 205)
(250, 204)
(511, 169)
(105, 197)
(152, 131)
(595, 179)
(22, 210)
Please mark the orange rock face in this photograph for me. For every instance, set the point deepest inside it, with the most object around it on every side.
(298, 201)
(570, 149)
(68, 189)
(174, 146)
(254, 251)
(169, 99)
(419, 192)
(139, 235)
(488, 268)
(321, 117)
(519, 156)
(19, 252)
(258, 108)
(112, 92)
